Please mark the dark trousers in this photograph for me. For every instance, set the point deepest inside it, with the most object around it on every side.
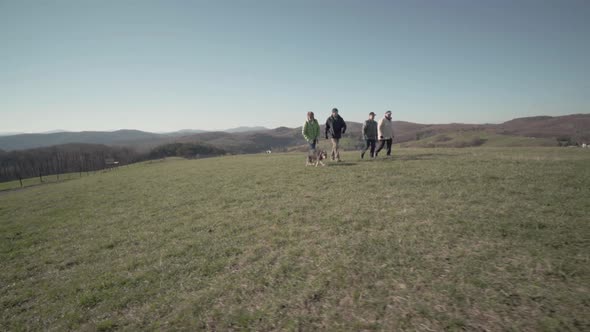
(312, 144)
(382, 144)
(370, 144)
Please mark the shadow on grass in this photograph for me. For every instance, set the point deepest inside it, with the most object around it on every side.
(340, 164)
(344, 163)
(424, 156)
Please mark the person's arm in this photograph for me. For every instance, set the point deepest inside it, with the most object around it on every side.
(316, 130)
(380, 128)
(327, 127)
(364, 131)
(343, 126)
(304, 131)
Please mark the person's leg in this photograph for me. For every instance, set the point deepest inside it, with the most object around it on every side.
(367, 145)
(381, 145)
(338, 149)
(311, 151)
(334, 145)
(372, 143)
(389, 143)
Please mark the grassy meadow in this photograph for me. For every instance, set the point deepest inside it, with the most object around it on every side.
(430, 240)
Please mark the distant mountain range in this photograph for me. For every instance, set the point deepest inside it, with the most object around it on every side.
(185, 132)
(182, 132)
(45, 132)
(256, 139)
(245, 129)
(119, 137)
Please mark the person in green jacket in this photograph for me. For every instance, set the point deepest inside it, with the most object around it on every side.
(311, 130)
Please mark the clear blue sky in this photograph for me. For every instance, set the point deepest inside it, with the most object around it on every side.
(169, 65)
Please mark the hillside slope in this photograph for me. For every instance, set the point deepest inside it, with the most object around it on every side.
(119, 137)
(576, 125)
(454, 239)
(475, 138)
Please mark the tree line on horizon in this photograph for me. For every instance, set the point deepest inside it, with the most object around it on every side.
(84, 158)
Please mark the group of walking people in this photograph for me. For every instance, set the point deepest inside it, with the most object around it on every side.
(372, 132)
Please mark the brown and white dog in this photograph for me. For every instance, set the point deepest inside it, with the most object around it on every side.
(315, 157)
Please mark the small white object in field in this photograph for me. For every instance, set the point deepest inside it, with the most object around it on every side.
(268, 151)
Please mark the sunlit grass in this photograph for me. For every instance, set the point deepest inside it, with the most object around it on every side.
(476, 239)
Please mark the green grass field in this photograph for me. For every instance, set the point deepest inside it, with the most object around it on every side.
(434, 239)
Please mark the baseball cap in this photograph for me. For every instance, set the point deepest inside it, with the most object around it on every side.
(372, 113)
(388, 112)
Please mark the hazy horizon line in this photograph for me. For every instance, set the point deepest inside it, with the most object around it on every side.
(53, 131)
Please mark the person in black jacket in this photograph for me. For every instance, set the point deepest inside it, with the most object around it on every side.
(335, 128)
(370, 135)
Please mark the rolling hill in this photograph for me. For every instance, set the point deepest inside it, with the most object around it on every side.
(575, 125)
(134, 138)
(10, 133)
(474, 138)
(256, 139)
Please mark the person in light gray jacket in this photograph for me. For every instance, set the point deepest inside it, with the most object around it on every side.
(385, 132)
(370, 135)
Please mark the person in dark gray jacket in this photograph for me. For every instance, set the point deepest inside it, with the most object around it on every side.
(335, 128)
(370, 135)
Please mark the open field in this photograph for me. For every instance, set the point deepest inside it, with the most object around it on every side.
(435, 239)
